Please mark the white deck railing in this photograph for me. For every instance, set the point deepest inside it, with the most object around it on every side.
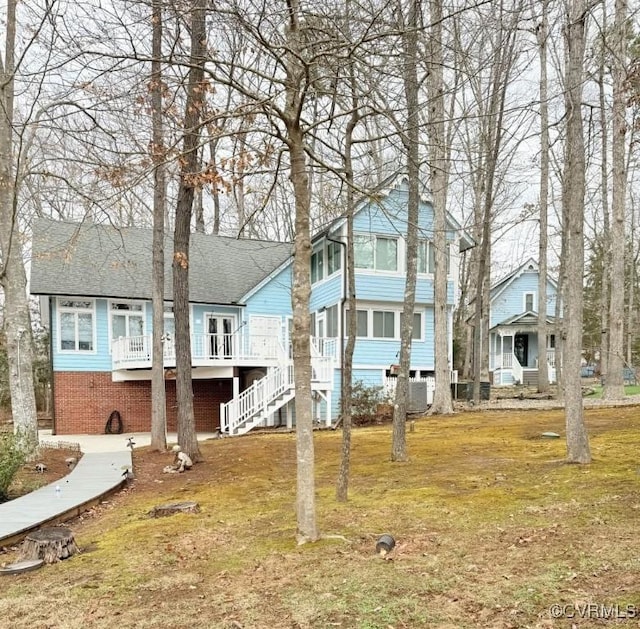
(551, 357)
(390, 383)
(204, 348)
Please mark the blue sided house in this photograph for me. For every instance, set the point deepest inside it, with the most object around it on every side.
(515, 351)
(94, 282)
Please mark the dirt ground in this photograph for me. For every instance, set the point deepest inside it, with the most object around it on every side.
(29, 479)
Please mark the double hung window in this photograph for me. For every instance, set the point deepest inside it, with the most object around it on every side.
(76, 325)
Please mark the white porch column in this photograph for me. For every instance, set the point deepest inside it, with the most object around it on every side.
(236, 386)
(289, 415)
(327, 420)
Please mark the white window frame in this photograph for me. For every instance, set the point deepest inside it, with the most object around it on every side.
(60, 309)
(332, 315)
(420, 337)
(347, 315)
(320, 266)
(337, 248)
(533, 301)
(429, 245)
(396, 323)
(374, 238)
(132, 302)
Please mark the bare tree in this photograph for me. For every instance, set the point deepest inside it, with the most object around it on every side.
(605, 233)
(491, 144)
(438, 167)
(614, 384)
(542, 34)
(190, 167)
(295, 92)
(17, 319)
(573, 190)
(346, 406)
(158, 153)
(411, 141)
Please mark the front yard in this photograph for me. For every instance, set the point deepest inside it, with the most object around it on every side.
(492, 530)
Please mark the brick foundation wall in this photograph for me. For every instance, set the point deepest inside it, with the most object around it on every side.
(83, 402)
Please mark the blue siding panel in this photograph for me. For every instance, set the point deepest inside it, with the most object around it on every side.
(378, 287)
(326, 293)
(369, 377)
(99, 359)
(274, 298)
(510, 302)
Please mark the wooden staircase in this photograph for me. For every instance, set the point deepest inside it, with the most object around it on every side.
(258, 402)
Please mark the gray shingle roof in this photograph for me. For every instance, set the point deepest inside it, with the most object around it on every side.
(86, 259)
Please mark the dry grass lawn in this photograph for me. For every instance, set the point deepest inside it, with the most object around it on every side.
(492, 528)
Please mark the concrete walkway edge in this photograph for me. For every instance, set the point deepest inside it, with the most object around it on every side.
(99, 472)
(96, 475)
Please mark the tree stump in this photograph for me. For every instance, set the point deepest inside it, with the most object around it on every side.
(49, 544)
(175, 507)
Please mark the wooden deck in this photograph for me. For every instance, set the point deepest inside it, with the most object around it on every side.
(96, 475)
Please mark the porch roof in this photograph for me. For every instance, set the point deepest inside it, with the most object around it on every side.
(523, 322)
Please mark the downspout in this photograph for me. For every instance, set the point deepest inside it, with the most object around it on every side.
(52, 393)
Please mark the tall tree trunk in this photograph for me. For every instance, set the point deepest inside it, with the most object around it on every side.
(492, 143)
(438, 165)
(213, 166)
(342, 484)
(573, 189)
(561, 325)
(198, 210)
(300, 294)
(158, 397)
(605, 259)
(631, 305)
(614, 383)
(17, 319)
(301, 290)
(411, 140)
(238, 181)
(346, 406)
(187, 436)
(542, 33)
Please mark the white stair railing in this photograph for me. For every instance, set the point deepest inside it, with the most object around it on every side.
(252, 403)
(517, 371)
(265, 396)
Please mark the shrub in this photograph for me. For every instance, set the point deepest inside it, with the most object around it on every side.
(13, 455)
(365, 401)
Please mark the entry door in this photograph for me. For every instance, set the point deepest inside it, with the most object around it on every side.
(265, 334)
(521, 348)
(220, 330)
